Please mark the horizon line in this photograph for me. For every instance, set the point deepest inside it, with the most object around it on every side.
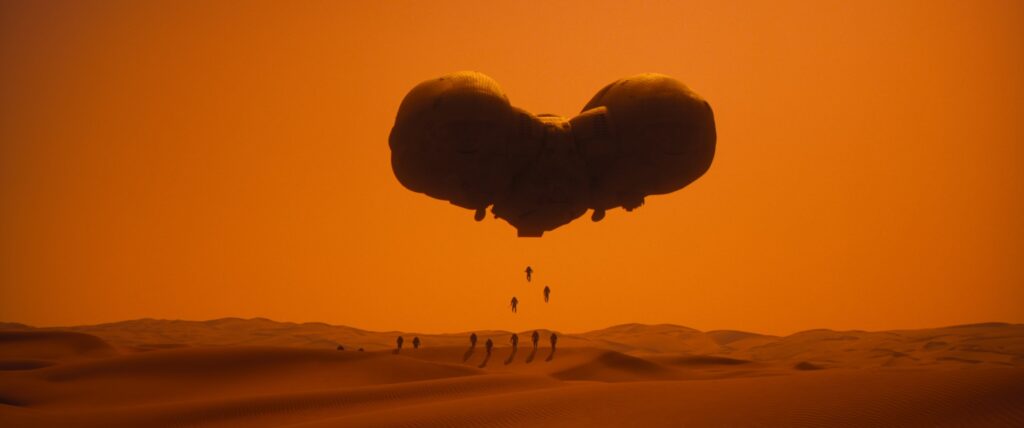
(260, 318)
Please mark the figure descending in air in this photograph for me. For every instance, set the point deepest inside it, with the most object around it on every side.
(547, 293)
(529, 273)
(515, 302)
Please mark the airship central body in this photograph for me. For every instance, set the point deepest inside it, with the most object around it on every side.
(457, 138)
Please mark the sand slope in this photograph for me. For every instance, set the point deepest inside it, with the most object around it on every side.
(236, 372)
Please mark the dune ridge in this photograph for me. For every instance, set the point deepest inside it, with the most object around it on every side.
(980, 341)
(261, 373)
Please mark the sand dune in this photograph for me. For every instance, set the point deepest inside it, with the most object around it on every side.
(833, 399)
(51, 345)
(234, 372)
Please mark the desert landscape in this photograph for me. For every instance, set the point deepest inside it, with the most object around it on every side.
(511, 214)
(258, 372)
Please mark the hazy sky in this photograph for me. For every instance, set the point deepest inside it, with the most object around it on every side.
(197, 160)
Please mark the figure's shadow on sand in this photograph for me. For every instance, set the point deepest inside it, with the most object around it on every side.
(486, 358)
(511, 356)
(529, 359)
(551, 355)
(468, 354)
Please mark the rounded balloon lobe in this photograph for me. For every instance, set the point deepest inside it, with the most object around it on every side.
(457, 138)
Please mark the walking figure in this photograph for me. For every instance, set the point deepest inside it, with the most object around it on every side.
(416, 342)
(472, 347)
(529, 273)
(515, 302)
(489, 345)
(547, 293)
(399, 342)
(554, 340)
(515, 348)
(536, 338)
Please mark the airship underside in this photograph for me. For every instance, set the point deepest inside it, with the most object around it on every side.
(457, 138)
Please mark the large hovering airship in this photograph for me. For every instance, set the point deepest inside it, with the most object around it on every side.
(457, 138)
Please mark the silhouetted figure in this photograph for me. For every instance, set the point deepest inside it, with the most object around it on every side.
(361, 350)
(416, 342)
(487, 345)
(547, 293)
(472, 347)
(515, 348)
(529, 273)
(554, 341)
(515, 302)
(535, 337)
(341, 348)
(400, 341)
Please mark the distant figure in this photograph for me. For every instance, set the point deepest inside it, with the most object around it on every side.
(341, 348)
(399, 341)
(416, 342)
(554, 340)
(515, 348)
(472, 347)
(529, 273)
(547, 293)
(515, 302)
(361, 350)
(536, 338)
(488, 345)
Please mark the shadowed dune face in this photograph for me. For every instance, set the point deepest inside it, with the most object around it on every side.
(611, 366)
(706, 360)
(55, 345)
(635, 375)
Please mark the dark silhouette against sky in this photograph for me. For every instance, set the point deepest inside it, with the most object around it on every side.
(457, 138)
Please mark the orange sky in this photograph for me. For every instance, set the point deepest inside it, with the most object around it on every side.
(198, 160)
